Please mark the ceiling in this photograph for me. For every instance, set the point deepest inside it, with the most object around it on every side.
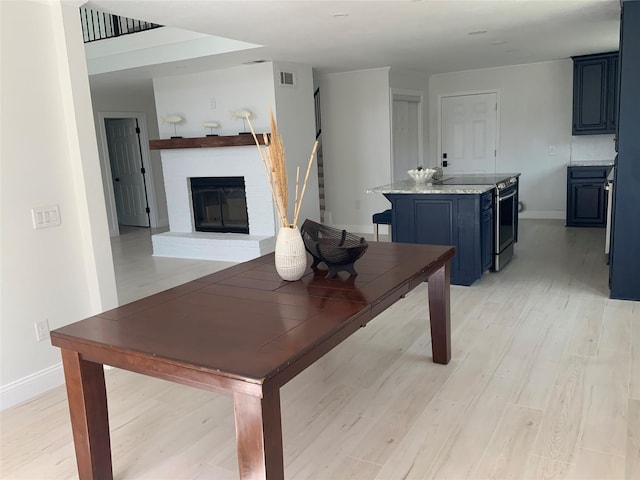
(427, 36)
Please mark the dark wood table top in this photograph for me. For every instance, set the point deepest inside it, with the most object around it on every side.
(245, 323)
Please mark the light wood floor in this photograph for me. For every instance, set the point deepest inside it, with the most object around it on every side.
(544, 384)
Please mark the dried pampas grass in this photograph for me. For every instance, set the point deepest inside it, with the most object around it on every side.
(273, 160)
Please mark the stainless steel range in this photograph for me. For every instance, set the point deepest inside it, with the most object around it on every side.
(506, 221)
(505, 210)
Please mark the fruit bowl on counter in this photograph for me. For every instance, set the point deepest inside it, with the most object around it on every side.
(421, 175)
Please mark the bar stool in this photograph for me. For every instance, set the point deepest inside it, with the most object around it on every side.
(383, 218)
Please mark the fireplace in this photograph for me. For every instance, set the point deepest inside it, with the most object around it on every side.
(180, 167)
(219, 204)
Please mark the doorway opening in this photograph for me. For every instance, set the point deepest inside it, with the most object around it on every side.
(127, 171)
(406, 122)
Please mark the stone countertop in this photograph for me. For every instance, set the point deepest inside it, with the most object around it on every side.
(593, 163)
(411, 187)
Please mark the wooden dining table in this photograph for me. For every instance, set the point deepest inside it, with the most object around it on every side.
(244, 331)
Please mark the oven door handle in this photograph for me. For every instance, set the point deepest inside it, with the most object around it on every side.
(507, 197)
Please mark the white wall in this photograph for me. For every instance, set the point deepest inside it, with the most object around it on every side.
(245, 87)
(49, 156)
(295, 113)
(356, 145)
(135, 98)
(535, 114)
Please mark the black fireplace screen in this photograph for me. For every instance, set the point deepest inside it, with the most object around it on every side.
(219, 204)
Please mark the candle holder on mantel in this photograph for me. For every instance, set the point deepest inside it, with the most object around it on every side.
(244, 114)
(211, 126)
(173, 120)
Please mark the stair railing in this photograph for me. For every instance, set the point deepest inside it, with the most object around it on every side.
(98, 25)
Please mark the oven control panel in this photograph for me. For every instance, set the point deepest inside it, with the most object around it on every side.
(506, 183)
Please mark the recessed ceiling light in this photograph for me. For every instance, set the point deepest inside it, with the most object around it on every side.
(477, 32)
(499, 42)
(340, 14)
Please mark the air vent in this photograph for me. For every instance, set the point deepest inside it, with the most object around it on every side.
(287, 79)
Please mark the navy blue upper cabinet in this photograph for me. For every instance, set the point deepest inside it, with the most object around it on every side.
(595, 94)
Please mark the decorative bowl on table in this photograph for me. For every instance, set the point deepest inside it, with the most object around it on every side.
(421, 175)
(338, 249)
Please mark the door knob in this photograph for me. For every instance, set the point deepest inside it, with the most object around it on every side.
(117, 179)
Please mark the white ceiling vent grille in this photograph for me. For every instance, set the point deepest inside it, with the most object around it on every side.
(288, 79)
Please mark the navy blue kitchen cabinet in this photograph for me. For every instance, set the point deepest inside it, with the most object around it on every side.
(624, 261)
(595, 90)
(586, 196)
(462, 220)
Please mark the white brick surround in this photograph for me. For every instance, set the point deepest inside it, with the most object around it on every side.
(182, 240)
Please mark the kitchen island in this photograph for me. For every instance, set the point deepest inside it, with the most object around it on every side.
(477, 214)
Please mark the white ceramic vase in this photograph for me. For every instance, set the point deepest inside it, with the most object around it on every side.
(291, 257)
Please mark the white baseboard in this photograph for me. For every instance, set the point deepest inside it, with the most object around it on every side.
(543, 215)
(30, 386)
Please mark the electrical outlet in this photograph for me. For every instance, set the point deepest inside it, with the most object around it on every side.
(42, 330)
(212, 103)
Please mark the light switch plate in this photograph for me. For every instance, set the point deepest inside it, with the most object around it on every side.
(45, 217)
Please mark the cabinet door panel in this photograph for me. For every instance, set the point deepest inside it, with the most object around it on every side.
(613, 94)
(588, 205)
(403, 220)
(434, 223)
(469, 237)
(595, 90)
(590, 95)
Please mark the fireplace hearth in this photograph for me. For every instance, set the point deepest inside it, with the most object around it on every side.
(219, 204)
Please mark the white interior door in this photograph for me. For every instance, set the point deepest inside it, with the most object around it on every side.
(468, 133)
(406, 141)
(127, 173)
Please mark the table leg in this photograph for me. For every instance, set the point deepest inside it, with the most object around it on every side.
(87, 396)
(259, 436)
(439, 312)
